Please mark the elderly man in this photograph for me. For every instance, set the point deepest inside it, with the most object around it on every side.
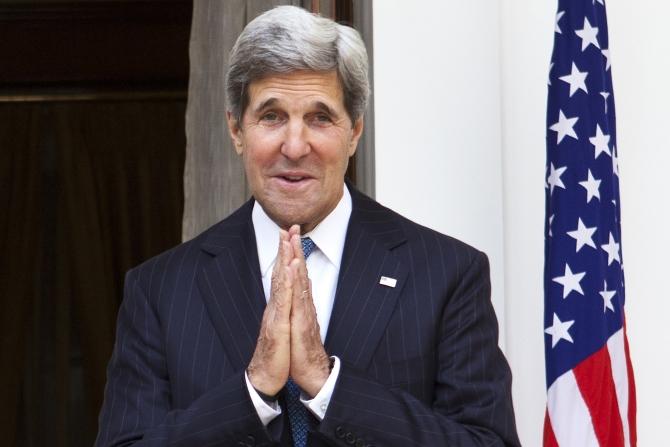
(312, 316)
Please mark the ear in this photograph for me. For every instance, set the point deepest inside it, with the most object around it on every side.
(356, 132)
(235, 131)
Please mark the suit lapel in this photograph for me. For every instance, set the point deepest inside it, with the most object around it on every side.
(231, 287)
(363, 306)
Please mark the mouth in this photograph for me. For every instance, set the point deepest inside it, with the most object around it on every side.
(293, 178)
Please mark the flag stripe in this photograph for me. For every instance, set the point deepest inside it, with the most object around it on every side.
(632, 401)
(617, 352)
(569, 415)
(549, 437)
(594, 378)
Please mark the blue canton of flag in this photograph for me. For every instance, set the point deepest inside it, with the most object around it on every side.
(591, 395)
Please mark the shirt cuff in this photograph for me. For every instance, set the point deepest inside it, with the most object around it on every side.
(319, 404)
(267, 411)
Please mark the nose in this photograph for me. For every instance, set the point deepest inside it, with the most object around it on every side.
(296, 144)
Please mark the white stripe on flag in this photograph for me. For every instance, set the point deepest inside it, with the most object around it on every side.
(615, 346)
(569, 416)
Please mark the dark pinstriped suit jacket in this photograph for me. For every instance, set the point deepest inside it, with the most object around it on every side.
(420, 361)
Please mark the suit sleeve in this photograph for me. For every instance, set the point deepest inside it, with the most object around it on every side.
(137, 406)
(472, 403)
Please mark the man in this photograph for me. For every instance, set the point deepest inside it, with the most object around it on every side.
(312, 315)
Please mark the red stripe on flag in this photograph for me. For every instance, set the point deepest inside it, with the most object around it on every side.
(549, 437)
(632, 402)
(595, 382)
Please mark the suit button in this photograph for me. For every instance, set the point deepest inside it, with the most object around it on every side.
(339, 432)
(251, 440)
(360, 443)
(351, 439)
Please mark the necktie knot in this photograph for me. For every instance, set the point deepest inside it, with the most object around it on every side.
(308, 246)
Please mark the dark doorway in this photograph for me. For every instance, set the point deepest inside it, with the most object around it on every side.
(92, 103)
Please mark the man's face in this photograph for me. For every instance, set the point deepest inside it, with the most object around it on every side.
(295, 140)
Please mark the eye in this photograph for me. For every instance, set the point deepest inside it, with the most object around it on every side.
(322, 118)
(270, 117)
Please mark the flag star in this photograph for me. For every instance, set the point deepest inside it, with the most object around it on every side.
(606, 53)
(564, 127)
(583, 235)
(570, 281)
(551, 65)
(559, 14)
(554, 178)
(612, 250)
(592, 187)
(588, 34)
(601, 142)
(615, 162)
(559, 330)
(599, 1)
(576, 79)
(605, 95)
(607, 297)
(551, 220)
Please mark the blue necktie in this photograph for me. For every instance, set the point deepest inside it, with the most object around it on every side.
(297, 413)
(308, 246)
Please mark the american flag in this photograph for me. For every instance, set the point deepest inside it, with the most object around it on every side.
(590, 386)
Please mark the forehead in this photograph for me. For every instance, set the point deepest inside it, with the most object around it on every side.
(299, 87)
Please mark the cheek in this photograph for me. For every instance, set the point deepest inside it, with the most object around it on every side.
(341, 158)
(253, 166)
(335, 152)
(258, 154)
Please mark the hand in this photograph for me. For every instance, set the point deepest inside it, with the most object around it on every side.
(310, 365)
(269, 367)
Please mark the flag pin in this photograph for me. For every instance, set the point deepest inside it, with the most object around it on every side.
(388, 282)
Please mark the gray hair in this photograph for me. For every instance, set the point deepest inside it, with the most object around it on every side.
(287, 39)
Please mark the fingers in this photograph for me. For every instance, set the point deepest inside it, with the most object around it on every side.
(281, 284)
(284, 251)
(304, 322)
(270, 364)
(302, 290)
(281, 298)
(302, 295)
(294, 230)
(294, 240)
(310, 366)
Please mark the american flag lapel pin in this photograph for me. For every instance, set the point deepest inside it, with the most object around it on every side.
(388, 282)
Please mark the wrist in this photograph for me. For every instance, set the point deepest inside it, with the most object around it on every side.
(320, 377)
(266, 397)
(264, 388)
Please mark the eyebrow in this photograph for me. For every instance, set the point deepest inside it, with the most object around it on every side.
(265, 104)
(325, 108)
(319, 105)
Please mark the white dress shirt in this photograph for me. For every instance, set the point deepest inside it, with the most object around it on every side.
(323, 268)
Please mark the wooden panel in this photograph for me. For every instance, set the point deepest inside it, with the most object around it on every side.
(113, 42)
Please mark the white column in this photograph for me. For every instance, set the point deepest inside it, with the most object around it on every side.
(526, 43)
(437, 123)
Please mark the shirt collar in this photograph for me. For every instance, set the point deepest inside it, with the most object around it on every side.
(329, 235)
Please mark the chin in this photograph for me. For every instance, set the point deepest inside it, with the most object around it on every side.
(287, 214)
